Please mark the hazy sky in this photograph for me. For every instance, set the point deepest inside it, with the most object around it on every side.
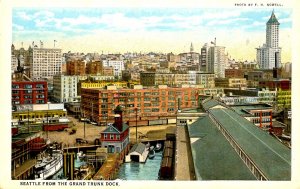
(164, 30)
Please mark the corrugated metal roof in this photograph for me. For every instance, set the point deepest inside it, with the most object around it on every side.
(213, 156)
(210, 103)
(272, 157)
(139, 148)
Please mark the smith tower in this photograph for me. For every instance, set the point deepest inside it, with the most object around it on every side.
(269, 55)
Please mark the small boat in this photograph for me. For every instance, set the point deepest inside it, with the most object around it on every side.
(151, 148)
(151, 154)
(158, 147)
(148, 145)
(80, 155)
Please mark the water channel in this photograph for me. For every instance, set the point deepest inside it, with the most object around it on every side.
(130, 171)
(141, 171)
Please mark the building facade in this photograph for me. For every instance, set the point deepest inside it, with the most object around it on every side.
(116, 136)
(46, 62)
(76, 67)
(234, 73)
(216, 61)
(231, 82)
(206, 80)
(146, 103)
(94, 67)
(29, 92)
(118, 66)
(66, 88)
(269, 55)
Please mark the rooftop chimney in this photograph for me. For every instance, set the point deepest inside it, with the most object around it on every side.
(118, 118)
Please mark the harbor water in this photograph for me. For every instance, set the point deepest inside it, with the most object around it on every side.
(59, 174)
(141, 171)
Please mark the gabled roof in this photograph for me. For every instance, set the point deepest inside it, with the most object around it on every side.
(139, 148)
(112, 129)
(213, 156)
(273, 19)
(271, 156)
(210, 103)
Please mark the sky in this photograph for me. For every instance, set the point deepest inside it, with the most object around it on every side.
(125, 29)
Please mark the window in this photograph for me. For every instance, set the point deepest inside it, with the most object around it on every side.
(15, 86)
(28, 86)
(105, 136)
(111, 136)
(118, 137)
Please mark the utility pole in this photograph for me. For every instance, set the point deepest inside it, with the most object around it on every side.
(136, 110)
(47, 125)
(84, 126)
(92, 117)
(28, 119)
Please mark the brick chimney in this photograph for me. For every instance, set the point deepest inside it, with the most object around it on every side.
(118, 118)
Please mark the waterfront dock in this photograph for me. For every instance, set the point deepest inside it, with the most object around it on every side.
(108, 170)
(183, 163)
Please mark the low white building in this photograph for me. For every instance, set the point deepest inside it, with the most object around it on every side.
(138, 153)
(118, 66)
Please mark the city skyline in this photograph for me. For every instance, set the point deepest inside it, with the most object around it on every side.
(120, 30)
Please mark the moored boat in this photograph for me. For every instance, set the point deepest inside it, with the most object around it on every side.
(49, 165)
(158, 147)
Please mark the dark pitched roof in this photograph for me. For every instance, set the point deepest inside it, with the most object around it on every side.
(271, 156)
(112, 129)
(210, 103)
(273, 19)
(213, 156)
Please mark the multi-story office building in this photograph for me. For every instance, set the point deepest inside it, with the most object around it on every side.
(269, 55)
(29, 92)
(234, 73)
(65, 87)
(216, 61)
(94, 67)
(231, 82)
(204, 58)
(46, 62)
(118, 66)
(108, 70)
(259, 114)
(283, 84)
(76, 67)
(206, 80)
(150, 103)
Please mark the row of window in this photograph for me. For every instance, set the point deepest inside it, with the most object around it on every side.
(112, 136)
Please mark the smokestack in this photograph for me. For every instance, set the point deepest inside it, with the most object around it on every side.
(118, 118)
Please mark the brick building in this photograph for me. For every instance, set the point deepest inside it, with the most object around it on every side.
(94, 67)
(76, 67)
(151, 103)
(231, 82)
(171, 79)
(24, 146)
(29, 92)
(234, 73)
(283, 84)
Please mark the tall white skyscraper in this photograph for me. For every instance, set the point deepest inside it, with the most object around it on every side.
(216, 59)
(269, 55)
